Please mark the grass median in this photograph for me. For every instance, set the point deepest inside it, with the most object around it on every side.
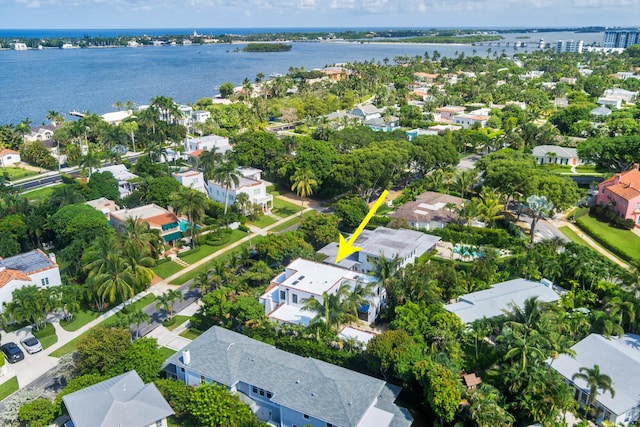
(8, 387)
(623, 243)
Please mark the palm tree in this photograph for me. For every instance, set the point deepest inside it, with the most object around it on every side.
(490, 207)
(138, 233)
(167, 300)
(201, 281)
(227, 175)
(360, 296)
(191, 202)
(138, 317)
(538, 207)
(115, 279)
(139, 263)
(91, 161)
(65, 195)
(334, 309)
(464, 179)
(303, 183)
(595, 381)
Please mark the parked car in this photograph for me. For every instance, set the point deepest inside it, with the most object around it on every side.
(12, 352)
(31, 344)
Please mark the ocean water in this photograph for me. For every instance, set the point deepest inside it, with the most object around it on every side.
(37, 81)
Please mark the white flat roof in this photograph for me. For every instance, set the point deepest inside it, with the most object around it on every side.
(317, 278)
(376, 417)
(291, 314)
(490, 302)
(142, 212)
(361, 336)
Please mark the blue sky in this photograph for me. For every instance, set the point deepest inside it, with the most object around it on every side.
(315, 13)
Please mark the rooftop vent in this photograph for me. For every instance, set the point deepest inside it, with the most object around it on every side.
(186, 357)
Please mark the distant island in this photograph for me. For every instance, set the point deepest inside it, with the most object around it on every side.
(267, 47)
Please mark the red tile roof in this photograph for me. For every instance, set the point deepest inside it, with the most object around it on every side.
(162, 219)
(8, 275)
(628, 186)
(6, 151)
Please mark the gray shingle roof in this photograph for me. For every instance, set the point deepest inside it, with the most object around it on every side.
(563, 152)
(28, 262)
(619, 358)
(122, 401)
(321, 390)
(490, 302)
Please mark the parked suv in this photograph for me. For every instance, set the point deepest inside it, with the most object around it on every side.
(12, 352)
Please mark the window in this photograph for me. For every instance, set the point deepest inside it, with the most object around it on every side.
(329, 425)
(294, 298)
(306, 417)
(269, 395)
(283, 295)
(254, 389)
(181, 369)
(201, 378)
(46, 280)
(159, 423)
(42, 282)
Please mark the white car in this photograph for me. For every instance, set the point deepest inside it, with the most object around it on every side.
(31, 344)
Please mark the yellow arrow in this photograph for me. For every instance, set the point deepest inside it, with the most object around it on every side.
(346, 248)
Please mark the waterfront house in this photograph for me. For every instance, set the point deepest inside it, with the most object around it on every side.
(618, 358)
(33, 268)
(216, 143)
(40, 133)
(249, 183)
(285, 296)
(9, 157)
(556, 154)
(430, 210)
(499, 297)
(120, 401)
(285, 389)
(621, 193)
(191, 179)
(200, 116)
(166, 222)
(127, 181)
(116, 117)
(335, 73)
(406, 245)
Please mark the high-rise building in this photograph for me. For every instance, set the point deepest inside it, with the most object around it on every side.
(621, 37)
(569, 46)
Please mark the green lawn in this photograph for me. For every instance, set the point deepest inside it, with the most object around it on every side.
(166, 352)
(190, 334)
(18, 173)
(72, 345)
(206, 250)
(283, 209)
(166, 269)
(571, 235)
(8, 387)
(47, 335)
(41, 193)
(178, 320)
(184, 278)
(290, 223)
(80, 319)
(623, 243)
(264, 221)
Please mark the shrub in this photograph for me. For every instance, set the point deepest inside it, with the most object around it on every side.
(244, 228)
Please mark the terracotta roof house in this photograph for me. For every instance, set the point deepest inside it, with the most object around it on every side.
(9, 157)
(429, 211)
(158, 218)
(621, 193)
(122, 401)
(285, 389)
(448, 112)
(104, 205)
(618, 358)
(27, 269)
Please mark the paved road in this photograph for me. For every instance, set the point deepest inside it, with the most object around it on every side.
(158, 316)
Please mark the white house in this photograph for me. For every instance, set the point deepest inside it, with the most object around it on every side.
(9, 157)
(285, 297)
(468, 120)
(366, 112)
(27, 269)
(284, 389)
(104, 205)
(619, 358)
(248, 183)
(116, 117)
(490, 302)
(200, 116)
(191, 179)
(40, 133)
(449, 111)
(555, 154)
(216, 143)
(126, 180)
(406, 245)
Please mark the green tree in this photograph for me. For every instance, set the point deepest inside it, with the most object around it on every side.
(214, 406)
(176, 393)
(39, 413)
(393, 354)
(318, 229)
(351, 212)
(138, 317)
(191, 202)
(101, 351)
(283, 248)
(102, 184)
(595, 380)
(77, 221)
(115, 279)
(91, 161)
(303, 183)
(37, 154)
(538, 207)
(226, 89)
(227, 175)
(167, 300)
(144, 357)
(441, 388)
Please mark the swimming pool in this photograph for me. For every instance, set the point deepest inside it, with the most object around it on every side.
(467, 251)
